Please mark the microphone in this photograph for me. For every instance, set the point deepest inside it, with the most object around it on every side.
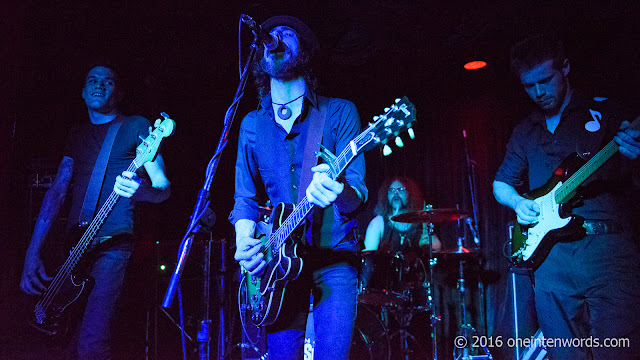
(469, 222)
(270, 42)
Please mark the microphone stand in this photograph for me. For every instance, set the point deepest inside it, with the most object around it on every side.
(202, 216)
(473, 225)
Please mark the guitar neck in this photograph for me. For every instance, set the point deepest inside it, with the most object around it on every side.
(97, 222)
(568, 187)
(304, 207)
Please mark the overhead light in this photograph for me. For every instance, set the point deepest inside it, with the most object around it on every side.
(475, 65)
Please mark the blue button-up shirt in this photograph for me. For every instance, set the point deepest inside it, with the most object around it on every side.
(269, 166)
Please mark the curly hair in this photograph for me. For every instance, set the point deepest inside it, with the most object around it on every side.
(414, 196)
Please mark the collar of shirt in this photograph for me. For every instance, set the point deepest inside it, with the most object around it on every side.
(578, 102)
(267, 109)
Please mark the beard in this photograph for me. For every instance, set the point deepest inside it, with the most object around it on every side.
(285, 68)
(397, 203)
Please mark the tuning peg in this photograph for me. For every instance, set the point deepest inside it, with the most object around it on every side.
(412, 135)
(375, 118)
(386, 109)
(397, 100)
(399, 142)
(386, 150)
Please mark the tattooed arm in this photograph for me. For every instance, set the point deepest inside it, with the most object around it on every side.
(34, 272)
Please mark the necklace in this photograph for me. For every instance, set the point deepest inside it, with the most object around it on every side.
(284, 112)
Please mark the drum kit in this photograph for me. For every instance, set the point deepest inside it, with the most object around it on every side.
(399, 287)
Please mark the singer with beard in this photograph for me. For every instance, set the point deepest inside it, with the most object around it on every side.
(397, 196)
(271, 150)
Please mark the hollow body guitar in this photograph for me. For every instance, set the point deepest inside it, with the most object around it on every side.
(531, 244)
(50, 314)
(262, 295)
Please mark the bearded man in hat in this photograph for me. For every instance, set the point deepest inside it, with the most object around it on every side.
(271, 164)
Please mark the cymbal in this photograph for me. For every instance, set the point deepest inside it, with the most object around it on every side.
(458, 253)
(435, 216)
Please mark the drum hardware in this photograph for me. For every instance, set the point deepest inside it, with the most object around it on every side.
(466, 330)
(431, 216)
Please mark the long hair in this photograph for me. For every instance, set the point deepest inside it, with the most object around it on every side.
(303, 68)
(414, 196)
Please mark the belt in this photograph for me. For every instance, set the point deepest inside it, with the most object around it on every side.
(600, 227)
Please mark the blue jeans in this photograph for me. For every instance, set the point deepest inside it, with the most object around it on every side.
(333, 282)
(107, 267)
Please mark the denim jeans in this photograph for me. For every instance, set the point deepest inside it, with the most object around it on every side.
(333, 282)
(107, 267)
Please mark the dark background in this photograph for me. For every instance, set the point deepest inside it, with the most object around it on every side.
(182, 58)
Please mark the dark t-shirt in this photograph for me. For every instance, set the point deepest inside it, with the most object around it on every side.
(586, 125)
(394, 240)
(83, 146)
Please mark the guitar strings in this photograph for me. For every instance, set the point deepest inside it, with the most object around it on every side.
(78, 249)
(289, 222)
(276, 236)
(582, 174)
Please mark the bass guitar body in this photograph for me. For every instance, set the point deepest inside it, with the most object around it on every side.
(51, 314)
(530, 244)
(264, 294)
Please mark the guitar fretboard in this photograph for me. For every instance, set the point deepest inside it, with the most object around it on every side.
(304, 207)
(569, 186)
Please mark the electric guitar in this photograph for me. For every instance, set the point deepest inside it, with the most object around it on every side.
(261, 296)
(68, 285)
(531, 244)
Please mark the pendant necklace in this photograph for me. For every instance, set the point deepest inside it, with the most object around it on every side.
(284, 112)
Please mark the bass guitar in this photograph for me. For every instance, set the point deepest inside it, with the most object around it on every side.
(530, 244)
(261, 297)
(68, 285)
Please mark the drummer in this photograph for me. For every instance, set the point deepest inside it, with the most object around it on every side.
(396, 196)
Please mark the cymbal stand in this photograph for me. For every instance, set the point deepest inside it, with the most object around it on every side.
(466, 330)
(430, 304)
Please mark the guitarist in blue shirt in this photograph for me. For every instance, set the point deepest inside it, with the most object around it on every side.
(271, 152)
(589, 283)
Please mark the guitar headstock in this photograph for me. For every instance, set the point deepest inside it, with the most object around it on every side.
(148, 149)
(396, 119)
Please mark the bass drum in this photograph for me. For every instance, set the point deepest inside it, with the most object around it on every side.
(370, 339)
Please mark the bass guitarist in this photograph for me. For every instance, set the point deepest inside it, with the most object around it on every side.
(271, 152)
(111, 249)
(589, 284)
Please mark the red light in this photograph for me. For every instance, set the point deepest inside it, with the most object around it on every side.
(475, 65)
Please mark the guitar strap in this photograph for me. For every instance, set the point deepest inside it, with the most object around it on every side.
(317, 119)
(97, 176)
